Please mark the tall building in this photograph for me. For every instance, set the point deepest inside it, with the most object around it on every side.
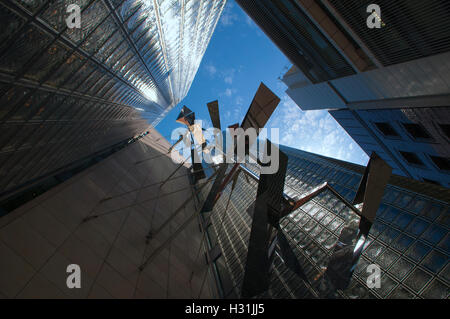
(117, 222)
(409, 239)
(68, 94)
(415, 141)
(388, 87)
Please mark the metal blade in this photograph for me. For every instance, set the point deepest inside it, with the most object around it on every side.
(197, 166)
(226, 180)
(209, 202)
(269, 198)
(186, 116)
(261, 108)
(199, 172)
(263, 104)
(251, 209)
(256, 276)
(213, 108)
(289, 257)
(371, 188)
(274, 183)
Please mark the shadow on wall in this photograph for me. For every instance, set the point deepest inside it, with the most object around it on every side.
(40, 239)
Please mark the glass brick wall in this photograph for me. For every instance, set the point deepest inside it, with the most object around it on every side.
(409, 239)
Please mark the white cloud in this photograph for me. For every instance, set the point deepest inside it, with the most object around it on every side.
(228, 16)
(287, 139)
(228, 92)
(249, 21)
(228, 75)
(211, 69)
(228, 19)
(314, 131)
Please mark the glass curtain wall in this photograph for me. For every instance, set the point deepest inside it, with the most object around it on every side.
(409, 239)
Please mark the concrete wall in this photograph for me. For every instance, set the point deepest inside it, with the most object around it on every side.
(41, 238)
(417, 81)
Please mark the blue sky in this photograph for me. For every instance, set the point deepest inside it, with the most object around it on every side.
(238, 58)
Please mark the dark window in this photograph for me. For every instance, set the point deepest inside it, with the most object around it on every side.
(441, 162)
(416, 130)
(412, 158)
(386, 129)
(446, 129)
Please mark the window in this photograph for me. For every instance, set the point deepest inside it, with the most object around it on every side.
(386, 129)
(446, 129)
(416, 130)
(441, 162)
(411, 158)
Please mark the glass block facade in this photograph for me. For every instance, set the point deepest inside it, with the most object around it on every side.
(409, 239)
(66, 93)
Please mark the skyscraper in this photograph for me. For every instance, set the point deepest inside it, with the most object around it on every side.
(69, 93)
(121, 230)
(409, 239)
(388, 87)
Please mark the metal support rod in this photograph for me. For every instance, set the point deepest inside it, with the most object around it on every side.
(223, 215)
(150, 158)
(173, 173)
(226, 181)
(170, 148)
(177, 231)
(306, 198)
(175, 144)
(146, 186)
(129, 206)
(179, 166)
(172, 216)
(346, 202)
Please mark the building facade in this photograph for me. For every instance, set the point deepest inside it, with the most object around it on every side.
(99, 220)
(415, 141)
(66, 93)
(409, 239)
(392, 78)
(340, 62)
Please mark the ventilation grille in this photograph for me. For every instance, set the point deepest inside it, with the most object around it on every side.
(413, 29)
